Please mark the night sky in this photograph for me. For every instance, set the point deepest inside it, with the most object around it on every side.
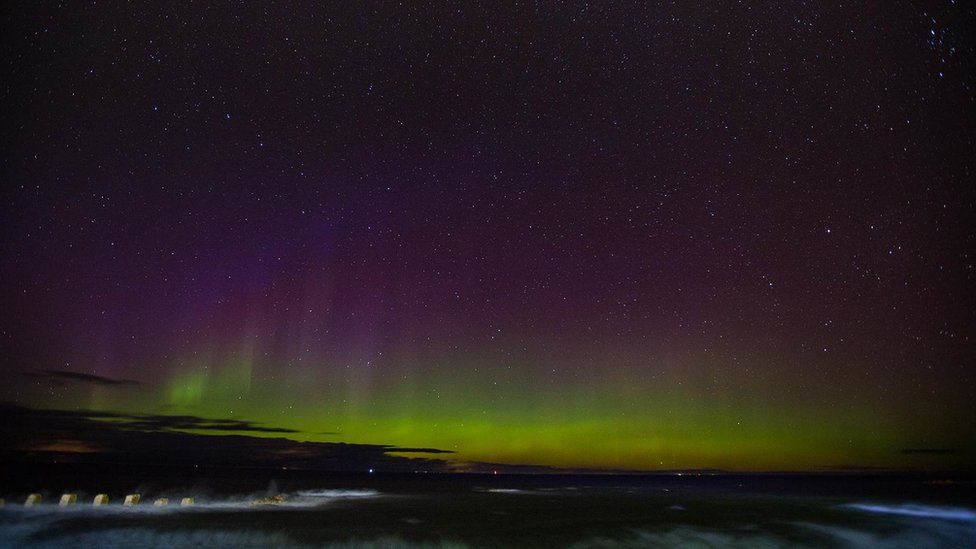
(589, 235)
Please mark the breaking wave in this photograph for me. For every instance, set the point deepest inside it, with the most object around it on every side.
(299, 499)
(338, 494)
(925, 511)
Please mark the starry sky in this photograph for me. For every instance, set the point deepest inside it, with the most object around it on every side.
(644, 236)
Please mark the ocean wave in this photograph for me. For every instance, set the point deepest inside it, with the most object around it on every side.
(147, 537)
(925, 511)
(338, 494)
(298, 499)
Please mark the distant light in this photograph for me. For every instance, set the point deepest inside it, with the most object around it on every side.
(371, 470)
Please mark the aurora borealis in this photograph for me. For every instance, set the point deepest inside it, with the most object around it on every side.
(585, 236)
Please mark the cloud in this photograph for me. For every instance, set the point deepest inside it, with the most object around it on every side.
(420, 451)
(186, 423)
(106, 437)
(150, 422)
(79, 377)
(150, 440)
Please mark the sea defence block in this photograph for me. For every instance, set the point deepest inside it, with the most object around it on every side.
(131, 499)
(161, 502)
(100, 499)
(68, 500)
(276, 499)
(186, 502)
(33, 499)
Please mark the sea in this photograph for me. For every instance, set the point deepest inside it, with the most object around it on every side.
(285, 508)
